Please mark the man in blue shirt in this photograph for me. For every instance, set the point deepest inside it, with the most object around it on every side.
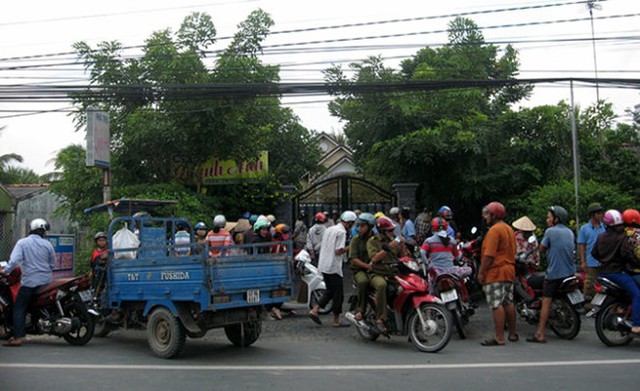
(558, 241)
(37, 258)
(408, 229)
(587, 236)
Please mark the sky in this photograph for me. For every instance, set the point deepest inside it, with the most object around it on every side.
(31, 28)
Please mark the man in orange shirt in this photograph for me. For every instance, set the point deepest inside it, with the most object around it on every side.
(498, 272)
(219, 237)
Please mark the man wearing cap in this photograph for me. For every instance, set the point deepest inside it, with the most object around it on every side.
(587, 236)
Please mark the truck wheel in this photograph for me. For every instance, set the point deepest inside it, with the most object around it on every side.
(102, 328)
(252, 330)
(165, 333)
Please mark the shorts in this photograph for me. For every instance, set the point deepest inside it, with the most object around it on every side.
(550, 287)
(498, 293)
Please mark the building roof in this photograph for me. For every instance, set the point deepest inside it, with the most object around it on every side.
(22, 192)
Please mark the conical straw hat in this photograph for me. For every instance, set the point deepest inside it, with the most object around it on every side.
(524, 224)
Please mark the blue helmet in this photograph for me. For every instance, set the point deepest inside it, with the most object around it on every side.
(445, 212)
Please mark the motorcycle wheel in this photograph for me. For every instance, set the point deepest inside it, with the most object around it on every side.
(84, 334)
(564, 320)
(316, 295)
(439, 325)
(608, 332)
(165, 333)
(458, 323)
(252, 330)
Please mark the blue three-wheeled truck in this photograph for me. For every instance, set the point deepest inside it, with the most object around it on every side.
(178, 292)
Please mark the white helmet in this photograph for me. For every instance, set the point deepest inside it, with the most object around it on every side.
(348, 216)
(271, 218)
(39, 224)
(219, 221)
(394, 211)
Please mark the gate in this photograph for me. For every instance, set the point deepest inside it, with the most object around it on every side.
(343, 193)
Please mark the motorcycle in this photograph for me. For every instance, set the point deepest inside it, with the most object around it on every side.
(313, 279)
(612, 310)
(452, 291)
(471, 257)
(564, 314)
(58, 308)
(411, 311)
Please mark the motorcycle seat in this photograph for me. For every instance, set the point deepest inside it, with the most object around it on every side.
(536, 281)
(53, 285)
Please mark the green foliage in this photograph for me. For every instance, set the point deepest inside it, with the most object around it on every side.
(562, 193)
(161, 135)
(78, 185)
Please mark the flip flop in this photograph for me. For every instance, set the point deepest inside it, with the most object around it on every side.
(315, 319)
(534, 339)
(13, 342)
(515, 338)
(491, 342)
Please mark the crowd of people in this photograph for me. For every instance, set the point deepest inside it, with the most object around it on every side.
(608, 245)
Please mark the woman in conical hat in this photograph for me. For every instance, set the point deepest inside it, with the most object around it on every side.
(524, 229)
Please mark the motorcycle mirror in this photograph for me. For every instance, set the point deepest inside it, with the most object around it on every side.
(532, 239)
(474, 230)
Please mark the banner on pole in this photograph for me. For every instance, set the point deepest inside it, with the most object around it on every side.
(98, 139)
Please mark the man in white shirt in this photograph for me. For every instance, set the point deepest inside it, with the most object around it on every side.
(330, 265)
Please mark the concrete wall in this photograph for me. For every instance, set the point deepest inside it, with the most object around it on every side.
(42, 205)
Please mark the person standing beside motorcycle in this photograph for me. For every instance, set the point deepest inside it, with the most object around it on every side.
(360, 262)
(332, 249)
(36, 257)
(314, 237)
(559, 242)
(498, 272)
(587, 236)
(615, 254)
(300, 230)
(384, 248)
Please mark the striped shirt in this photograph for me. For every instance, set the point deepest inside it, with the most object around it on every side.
(217, 240)
(437, 254)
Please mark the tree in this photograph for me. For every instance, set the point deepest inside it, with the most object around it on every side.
(168, 118)
(453, 142)
(5, 160)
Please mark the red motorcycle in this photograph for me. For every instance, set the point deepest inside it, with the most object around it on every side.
(564, 314)
(411, 311)
(452, 291)
(58, 308)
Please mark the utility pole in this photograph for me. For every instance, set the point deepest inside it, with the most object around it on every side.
(591, 4)
(576, 157)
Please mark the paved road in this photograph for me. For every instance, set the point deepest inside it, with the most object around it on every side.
(297, 353)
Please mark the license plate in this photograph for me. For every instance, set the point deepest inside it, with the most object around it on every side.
(449, 296)
(598, 299)
(253, 296)
(575, 297)
(86, 295)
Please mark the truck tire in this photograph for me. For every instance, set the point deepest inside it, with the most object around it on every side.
(252, 330)
(165, 333)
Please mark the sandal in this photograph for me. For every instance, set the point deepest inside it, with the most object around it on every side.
(534, 339)
(514, 338)
(14, 342)
(382, 328)
(358, 316)
(491, 342)
(315, 319)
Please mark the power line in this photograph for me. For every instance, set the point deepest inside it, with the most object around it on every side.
(348, 25)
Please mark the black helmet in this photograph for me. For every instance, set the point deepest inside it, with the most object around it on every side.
(560, 212)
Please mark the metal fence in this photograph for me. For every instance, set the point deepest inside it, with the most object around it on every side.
(7, 236)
